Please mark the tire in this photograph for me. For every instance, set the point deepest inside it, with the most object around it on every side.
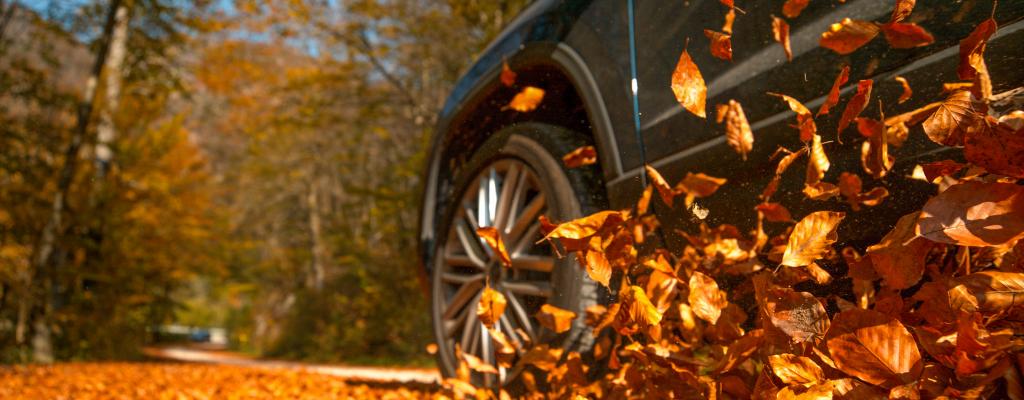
(520, 150)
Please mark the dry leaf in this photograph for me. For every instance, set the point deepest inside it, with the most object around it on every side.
(848, 35)
(637, 308)
(795, 370)
(740, 350)
(554, 318)
(873, 347)
(996, 147)
(804, 118)
(508, 77)
(857, 103)
(900, 257)
(780, 31)
(993, 291)
(585, 155)
(833, 94)
(597, 265)
(974, 214)
(688, 86)
(821, 191)
(585, 227)
(874, 155)
(774, 212)
(706, 300)
(906, 89)
(972, 47)
(737, 130)
(493, 238)
(936, 169)
(698, 185)
(792, 8)
(811, 237)
(527, 99)
(798, 314)
(476, 364)
(491, 306)
(664, 190)
(949, 123)
(902, 10)
(817, 162)
(729, 18)
(721, 44)
(906, 35)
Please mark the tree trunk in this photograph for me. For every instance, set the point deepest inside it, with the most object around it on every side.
(105, 130)
(318, 248)
(41, 341)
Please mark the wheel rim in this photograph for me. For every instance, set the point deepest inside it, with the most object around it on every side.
(506, 195)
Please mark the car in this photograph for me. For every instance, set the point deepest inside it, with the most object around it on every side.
(605, 67)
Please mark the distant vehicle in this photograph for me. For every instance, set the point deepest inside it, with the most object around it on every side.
(491, 166)
(199, 336)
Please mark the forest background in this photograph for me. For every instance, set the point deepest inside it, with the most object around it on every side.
(249, 164)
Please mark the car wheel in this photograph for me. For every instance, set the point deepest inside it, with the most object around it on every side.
(515, 177)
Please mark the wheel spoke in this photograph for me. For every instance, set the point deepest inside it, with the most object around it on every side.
(505, 204)
(529, 288)
(520, 313)
(461, 297)
(451, 326)
(533, 263)
(471, 243)
(509, 331)
(529, 215)
(461, 279)
(469, 329)
(524, 243)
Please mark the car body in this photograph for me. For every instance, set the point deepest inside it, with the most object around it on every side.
(579, 51)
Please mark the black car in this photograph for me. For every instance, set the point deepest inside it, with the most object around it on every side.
(606, 68)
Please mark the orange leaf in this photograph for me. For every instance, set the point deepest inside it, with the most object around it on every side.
(585, 227)
(493, 239)
(949, 123)
(906, 35)
(597, 265)
(774, 212)
(974, 214)
(857, 103)
(973, 46)
(659, 183)
(706, 300)
(874, 153)
(994, 291)
(873, 347)
(796, 370)
(688, 86)
(721, 44)
(585, 155)
(780, 32)
(906, 89)
(554, 318)
(804, 118)
(527, 99)
(476, 364)
(833, 94)
(699, 185)
(729, 18)
(995, 146)
(811, 237)
(637, 308)
(792, 8)
(737, 130)
(799, 315)
(848, 35)
(900, 257)
(817, 162)
(936, 169)
(902, 10)
(821, 191)
(740, 350)
(508, 77)
(491, 306)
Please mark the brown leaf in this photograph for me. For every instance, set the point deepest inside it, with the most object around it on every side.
(476, 364)
(833, 94)
(737, 130)
(848, 35)
(799, 314)
(874, 155)
(857, 103)
(597, 265)
(542, 356)
(817, 162)
(796, 370)
(585, 155)
(780, 31)
(774, 212)
(554, 318)
(902, 10)
(811, 237)
(637, 308)
(508, 77)
(699, 185)
(973, 46)
(527, 99)
(491, 306)
(729, 18)
(804, 118)
(493, 238)
(874, 347)
(721, 44)
(688, 86)
(994, 291)
(821, 191)
(706, 300)
(740, 350)
(664, 190)
(936, 169)
(850, 187)
(900, 257)
(996, 147)
(974, 214)
(792, 8)
(949, 123)
(906, 89)
(585, 227)
(906, 35)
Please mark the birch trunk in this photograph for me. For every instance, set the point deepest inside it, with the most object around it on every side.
(319, 249)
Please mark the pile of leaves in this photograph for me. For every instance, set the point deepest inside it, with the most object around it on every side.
(185, 381)
(932, 310)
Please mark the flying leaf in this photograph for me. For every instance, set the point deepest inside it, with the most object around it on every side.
(798, 314)
(774, 212)
(688, 86)
(949, 123)
(585, 227)
(821, 191)
(974, 214)
(994, 146)
(817, 162)
(874, 347)
(706, 300)
(906, 35)
(902, 10)
(900, 257)
(664, 190)
(994, 291)
(933, 170)
(737, 130)
(637, 308)
(833, 94)
(527, 99)
(698, 185)
(780, 31)
(848, 35)
(493, 238)
(792, 8)
(597, 265)
(721, 44)
(795, 370)
(811, 237)
(973, 46)
(508, 77)
(554, 318)
(804, 118)
(874, 155)
(740, 350)
(906, 89)
(857, 103)
(478, 365)
(585, 155)
(491, 306)
(729, 18)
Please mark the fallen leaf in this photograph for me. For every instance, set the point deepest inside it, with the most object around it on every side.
(493, 238)
(527, 99)
(848, 35)
(780, 31)
(856, 105)
(740, 350)
(973, 46)
(994, 291)
(874, 347)
(902, 10)
(899, 258)
(804, 118)
(906, 89)
(637, 308)
(508, 77)
(817, 162)
(974, 214)
(792, 8)
(833, 94)
(995, 146)
(949, 123)
(933, 170)
(584, 155)
(698, 185)
(721, 44)
(542, 356)
(774, 212)
(795, 370)
(491, 306)
(821, 191)
(664, 190)
(737, 130)
(706, 300)
(585, 227)
(729, 18)
(874, 154)
(476, 364)
(597, 265)
(554, 318)
(906, 35)
(688, 85)
(811, 237)
(798, 314)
